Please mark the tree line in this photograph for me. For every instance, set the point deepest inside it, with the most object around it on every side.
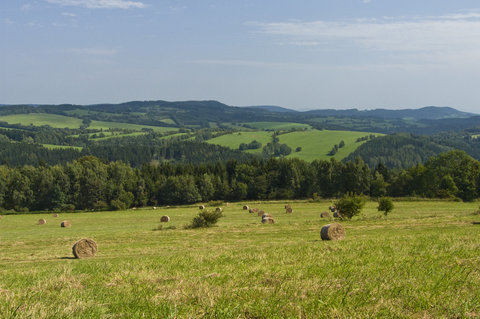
(92, 184)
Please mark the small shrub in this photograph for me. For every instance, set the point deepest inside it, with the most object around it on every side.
(350, 205)
(385, 205)
(215, 203)
(205, 219)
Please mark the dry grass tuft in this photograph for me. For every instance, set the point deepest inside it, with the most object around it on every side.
(325, 215)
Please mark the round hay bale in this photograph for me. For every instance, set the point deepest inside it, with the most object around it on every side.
(165, 219)
(218, 209)
(260, 213)
(55, 215)
(85, 248)
(333, 231)
(1, 216)
(245, 207)
(201, 207)
(325, 215)
(289, 210)
(227, 204)
(268, 220)
(134, 208)
(65, 224)
(331, 208)
(287, 206)
(255, 210)
(42, 221)
(154, 207)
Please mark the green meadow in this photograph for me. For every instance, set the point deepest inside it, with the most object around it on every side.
(52, 146)
(234, 140)
(39, 119)
(317, 144)
(421, 261)
(277, 125)
(61, 121)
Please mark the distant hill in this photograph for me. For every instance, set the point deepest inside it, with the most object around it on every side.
(273, 108)
(425, 113)
(214, 114)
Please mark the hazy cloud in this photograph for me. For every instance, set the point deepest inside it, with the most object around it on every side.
(100, 4)
(92, 51)
(449, 38)
(68, 14)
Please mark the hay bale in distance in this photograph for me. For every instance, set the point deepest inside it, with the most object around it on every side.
(245, 207)
(55, 215)
(260, 213)
(325, 215)
(1, 216)
(65, 224)
(287, 206)
(201, 207)
(289, 210)
(165, 219)
(85, 248)
(154, 207)
(268, 220)
(218, 209)
(333, 231)
(42, 221)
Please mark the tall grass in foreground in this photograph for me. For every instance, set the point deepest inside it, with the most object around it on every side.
(421, 262)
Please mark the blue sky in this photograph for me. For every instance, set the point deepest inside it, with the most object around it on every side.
(308, 54)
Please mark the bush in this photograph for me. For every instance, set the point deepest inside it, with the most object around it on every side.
(205, 219)
(385, 204)
(350, 205)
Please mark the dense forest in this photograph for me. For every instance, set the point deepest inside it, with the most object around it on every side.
(90, 183)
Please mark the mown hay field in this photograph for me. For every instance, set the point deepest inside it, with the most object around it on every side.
(422, 261)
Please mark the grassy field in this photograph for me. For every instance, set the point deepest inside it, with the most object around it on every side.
(277, 125)
(52, 146)
(39, 119)
(317, 144)
(235, 139)
(60, 121)
(420, 262)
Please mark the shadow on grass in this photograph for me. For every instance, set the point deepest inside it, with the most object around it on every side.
(66, 258)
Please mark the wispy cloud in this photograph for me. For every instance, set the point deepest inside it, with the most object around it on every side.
(92, 51)
(446, 38)
(68, 14)
(100, 4)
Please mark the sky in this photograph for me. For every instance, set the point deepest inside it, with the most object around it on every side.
(300, 54)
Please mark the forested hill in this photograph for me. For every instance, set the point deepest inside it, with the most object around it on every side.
(407, 150)
(206, 114)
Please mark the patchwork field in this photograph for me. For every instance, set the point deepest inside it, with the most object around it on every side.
(234, 140)
(277, 125)
(420, 262)
(314, 144)
(317, 144)
(60, 121)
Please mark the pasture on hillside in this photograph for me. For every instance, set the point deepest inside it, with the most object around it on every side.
(234, 140)
(421, 261)
(317, 144)
(61, 121)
